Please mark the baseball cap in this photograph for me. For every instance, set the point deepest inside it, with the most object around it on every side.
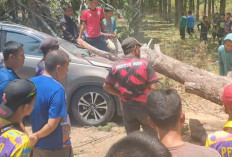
(49, 43)
(227, 96)
(108, 9)
(17, 93)
(228, 37)
(129, 43)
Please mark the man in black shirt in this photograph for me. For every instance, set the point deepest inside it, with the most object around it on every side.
(135, 77)
(221, 30)
(68, 26)
(204, 28)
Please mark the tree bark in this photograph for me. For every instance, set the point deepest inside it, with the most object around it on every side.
(165, 9)
(79, 15)
(37, 20)
(213, 4)
(15, 12)
(197, 10)
(205, 5)
(98, 52)
(222, 6)
(181, 5)
(184, 6)
(32, 5)
(191, 5)
(169, 11)
(176, 12)
(209, 10)
(196, 81)
(160, 8)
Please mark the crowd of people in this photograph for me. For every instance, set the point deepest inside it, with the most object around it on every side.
(220, 25)
(159, 112)
(98, 28)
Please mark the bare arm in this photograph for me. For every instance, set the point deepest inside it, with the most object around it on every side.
(154, 86)
(23, 128)
(48, 128)
(115, 33)
(83, 26)
(111, 89)
(45, 131)
(102, 26)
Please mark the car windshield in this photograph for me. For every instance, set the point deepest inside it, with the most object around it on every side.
(72, 48)
(68, 46)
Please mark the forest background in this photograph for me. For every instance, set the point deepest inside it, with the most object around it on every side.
(44, 15)
(145, 20)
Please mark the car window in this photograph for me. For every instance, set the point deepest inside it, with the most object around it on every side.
(73, 48)
(30, 45)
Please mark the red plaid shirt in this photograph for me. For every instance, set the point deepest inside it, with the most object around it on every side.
(133, 77)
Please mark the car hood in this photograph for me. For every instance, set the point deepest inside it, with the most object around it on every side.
(99, 61)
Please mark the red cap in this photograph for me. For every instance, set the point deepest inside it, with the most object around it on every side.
(227, 96)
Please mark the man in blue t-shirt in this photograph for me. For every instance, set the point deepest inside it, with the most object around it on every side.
(13, 59)
(49, 119)
(190, 24)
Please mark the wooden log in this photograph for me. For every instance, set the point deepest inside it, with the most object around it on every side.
(98, 52)
(196, 81)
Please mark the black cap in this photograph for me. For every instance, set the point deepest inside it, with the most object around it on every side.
(18, 92)
(108, 9)
(49, 44)
(129, 43)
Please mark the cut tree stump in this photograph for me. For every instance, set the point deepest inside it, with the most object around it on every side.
(196, 81)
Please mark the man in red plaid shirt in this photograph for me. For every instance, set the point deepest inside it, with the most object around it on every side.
(131, 79)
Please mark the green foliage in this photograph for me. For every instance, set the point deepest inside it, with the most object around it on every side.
(107, 127)
(190, 51)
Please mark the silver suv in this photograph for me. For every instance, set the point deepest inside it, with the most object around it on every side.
(87, 101)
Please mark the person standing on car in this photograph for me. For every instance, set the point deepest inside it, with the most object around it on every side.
(46, 46)
(134, 78)
(18, 102)
(68, 26)
(49, 119)
(13, 59)
(93, 25)
(111, 32)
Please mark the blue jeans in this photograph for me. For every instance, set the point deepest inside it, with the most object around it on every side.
(98, 42)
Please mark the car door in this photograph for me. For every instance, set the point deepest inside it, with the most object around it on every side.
(31, 50)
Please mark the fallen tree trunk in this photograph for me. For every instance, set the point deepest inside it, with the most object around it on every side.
(197, 81)
(98, 52)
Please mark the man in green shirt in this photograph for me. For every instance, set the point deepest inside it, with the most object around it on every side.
(183, 25)
(225, 56)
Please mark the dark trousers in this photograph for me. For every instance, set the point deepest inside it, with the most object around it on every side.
(190, 31)
(134, 116)
(220, 38)
(98, 42)
(65, 152)
(182, 33)
(204, 36)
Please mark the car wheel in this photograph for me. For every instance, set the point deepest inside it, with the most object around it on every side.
(92, 106)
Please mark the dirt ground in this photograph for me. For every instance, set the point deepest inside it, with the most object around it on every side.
(92, 141)
(95, 141)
